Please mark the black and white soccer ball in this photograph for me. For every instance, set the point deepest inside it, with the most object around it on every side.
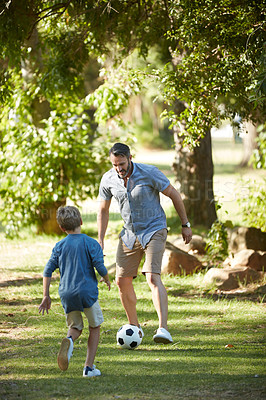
(129, 336)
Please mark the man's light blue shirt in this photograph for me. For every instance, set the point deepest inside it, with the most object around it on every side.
(139, 202)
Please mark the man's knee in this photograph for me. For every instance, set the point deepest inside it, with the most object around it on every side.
(153, 279)
(124, 283)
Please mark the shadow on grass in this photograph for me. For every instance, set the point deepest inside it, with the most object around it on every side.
(35, 280)
(256, 296)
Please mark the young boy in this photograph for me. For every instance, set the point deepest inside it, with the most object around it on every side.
(76, 256)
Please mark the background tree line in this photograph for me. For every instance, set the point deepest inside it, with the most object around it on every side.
(69, 70)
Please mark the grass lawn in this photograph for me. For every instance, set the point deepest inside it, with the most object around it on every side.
(198, 365)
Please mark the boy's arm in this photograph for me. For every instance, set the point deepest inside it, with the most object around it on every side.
(46, 301)
(106, 279)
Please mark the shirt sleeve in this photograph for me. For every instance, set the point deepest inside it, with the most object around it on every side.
(52, 264)
(160, 181)
(104, 191)
(96, 254)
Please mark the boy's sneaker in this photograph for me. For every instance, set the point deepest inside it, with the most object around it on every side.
(65, 353)
(91, 372)
(162, 336)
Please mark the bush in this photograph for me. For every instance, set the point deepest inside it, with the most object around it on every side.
(253, 206)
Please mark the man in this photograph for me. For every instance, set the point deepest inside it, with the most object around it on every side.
(136, 187)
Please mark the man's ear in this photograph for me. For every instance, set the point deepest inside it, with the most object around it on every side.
(62, 229)
(81, 222)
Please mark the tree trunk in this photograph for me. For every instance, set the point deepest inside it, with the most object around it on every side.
(40, 110)
(194, 173)
(249, 141)
(40, 106)
(46, 222)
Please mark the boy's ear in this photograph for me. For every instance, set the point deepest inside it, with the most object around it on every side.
(81, 222)
(62, 229)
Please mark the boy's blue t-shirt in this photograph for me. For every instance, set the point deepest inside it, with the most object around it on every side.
(76, 256)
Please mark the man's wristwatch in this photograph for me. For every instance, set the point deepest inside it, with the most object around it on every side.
(187, 225)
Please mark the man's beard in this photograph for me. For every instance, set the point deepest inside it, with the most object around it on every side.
(127, 171)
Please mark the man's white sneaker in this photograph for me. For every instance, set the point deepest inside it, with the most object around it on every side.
(91, 372)
(65, 353)
(162, 336)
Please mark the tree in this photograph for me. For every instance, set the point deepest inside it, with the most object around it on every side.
(207, 67)
(50, 149)
(210, 46)
(249, 140)
(215, 44)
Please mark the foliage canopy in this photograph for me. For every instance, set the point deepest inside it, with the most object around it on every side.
(52, 59)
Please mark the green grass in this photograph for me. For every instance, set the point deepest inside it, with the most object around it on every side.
(196, 366)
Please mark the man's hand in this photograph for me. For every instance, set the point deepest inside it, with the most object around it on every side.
(45, 305)
(101, 243)
(187, 234)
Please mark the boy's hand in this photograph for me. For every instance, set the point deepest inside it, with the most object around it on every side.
(107, 282)
(106, 279)
(45, 304)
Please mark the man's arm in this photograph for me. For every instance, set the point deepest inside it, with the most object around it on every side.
(174, 195)
(106, 279)
(102, 220)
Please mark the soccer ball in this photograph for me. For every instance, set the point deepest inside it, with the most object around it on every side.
(129, 336)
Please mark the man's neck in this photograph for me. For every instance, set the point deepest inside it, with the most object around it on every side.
(128, 175)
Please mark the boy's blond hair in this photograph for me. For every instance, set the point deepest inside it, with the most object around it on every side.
(68, 217)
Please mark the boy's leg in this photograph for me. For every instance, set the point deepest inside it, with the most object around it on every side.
(74, 333)
(95, 319)
(93, 341)
(75, 326)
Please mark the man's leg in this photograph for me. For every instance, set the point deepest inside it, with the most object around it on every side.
(152, 270)
(128, 298)
(160, 301)
(159, 297)
(127, 263)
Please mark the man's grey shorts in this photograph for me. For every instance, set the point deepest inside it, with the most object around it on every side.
(127, 261)
(94, 316)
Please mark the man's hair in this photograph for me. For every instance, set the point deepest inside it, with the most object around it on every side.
(120, 149)
(68, 217)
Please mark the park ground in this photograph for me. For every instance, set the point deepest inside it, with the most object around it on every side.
(198, 365)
